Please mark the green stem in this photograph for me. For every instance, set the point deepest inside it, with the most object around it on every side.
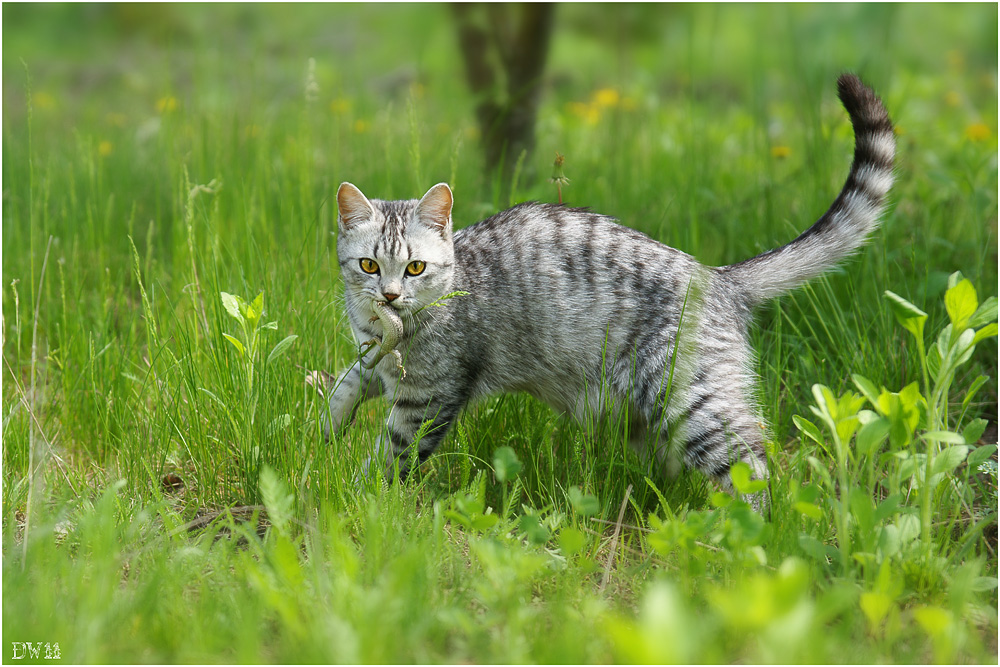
(842, 523)
(926, 494)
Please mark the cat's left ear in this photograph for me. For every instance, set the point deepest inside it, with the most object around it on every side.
(434, 210)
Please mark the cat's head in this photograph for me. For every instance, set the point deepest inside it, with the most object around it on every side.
(395, 251)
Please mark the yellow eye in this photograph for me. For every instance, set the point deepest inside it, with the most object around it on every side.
(415, 268)
(369, 265)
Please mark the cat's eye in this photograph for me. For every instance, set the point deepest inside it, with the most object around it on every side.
(415, 268)
(369, 265)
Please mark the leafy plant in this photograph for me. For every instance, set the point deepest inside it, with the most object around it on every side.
(874, 513)
(242, 414)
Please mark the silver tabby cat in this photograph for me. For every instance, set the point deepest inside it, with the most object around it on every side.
(587, 315)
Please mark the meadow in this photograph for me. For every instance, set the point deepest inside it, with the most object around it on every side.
(168, 495)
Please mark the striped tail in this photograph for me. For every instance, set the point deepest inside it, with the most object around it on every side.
(852, 216)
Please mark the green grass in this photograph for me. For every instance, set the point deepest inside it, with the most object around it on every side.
(715, 129)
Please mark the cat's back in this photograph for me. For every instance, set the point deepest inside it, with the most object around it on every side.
(552, 242)
(552, 288)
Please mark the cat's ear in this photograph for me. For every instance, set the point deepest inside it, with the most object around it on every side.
(434, 210)
(353, 207)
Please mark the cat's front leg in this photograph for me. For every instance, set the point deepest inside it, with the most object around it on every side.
(353, 387)
(412, 429)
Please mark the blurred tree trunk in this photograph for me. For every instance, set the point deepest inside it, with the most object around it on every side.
(505, 47)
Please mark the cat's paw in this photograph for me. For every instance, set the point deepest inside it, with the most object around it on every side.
(321, 381)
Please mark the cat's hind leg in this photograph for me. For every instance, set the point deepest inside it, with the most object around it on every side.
(706, 420)
(720, 428)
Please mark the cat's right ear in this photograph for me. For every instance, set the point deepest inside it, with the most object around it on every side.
(353, 207)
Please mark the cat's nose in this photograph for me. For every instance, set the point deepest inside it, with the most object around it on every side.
(391, 297)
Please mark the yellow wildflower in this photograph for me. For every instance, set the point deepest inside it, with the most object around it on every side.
(780, 152)
(588, 112)
(606, 97)
(165, 104)
(361, 126)
(978, 132)
(104, 148)
(955, 58)
(43, 100)
(340, 105)
(952, 99)
(898, 130)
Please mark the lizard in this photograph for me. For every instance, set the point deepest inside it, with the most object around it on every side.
(392, 332)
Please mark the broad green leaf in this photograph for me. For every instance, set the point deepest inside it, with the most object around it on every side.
(947, 437)
(809, 493)
(984, 584)
(871, 436)
(944, 341)
(909, 316)
(888, 541)
(965, 346)
(808, 428)
(933, 620)
(986, 313)
(948, 459)
(934, 362)
(875, 607)
(237, 344)
(505, 464)
(533, 529)
(910, 464)
(740, 474)
(808, 510)
(583, 504)
(866, 387)
(988, 331)
(571, 541)
(814, 548)
(483, 522)
(720, 499)
(961, 302)
(280, 348)
(887, 508)
(256, 309)
(903, 411)
(970, 394)
(863, 508)
(457, 517)
(232, 304)
(980, 454)
(909, 527)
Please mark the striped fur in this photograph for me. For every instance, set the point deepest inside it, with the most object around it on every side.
(587, 315)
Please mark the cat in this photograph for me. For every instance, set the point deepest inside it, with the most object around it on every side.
(585, 314)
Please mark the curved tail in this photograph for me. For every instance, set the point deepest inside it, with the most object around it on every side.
(852, 216)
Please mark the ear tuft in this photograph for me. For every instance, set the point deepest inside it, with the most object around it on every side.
(353, 207)
(434, 210)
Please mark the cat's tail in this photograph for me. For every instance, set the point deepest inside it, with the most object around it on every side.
(852, 216)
